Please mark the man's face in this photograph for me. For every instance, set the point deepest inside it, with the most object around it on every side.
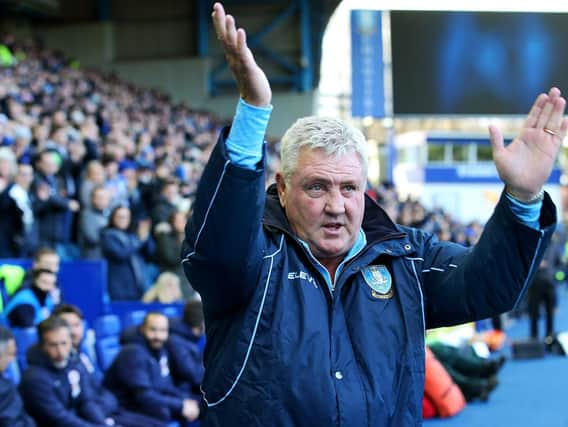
(121, 218)
(25, 176)
(48, 164)
(46, 281)
(76, 325)
(101, 199)
(8, 356)
(324, 202)
(155, 330)
(57, 345)
(5, 168)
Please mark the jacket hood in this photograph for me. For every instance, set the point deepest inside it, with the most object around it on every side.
(376, 223)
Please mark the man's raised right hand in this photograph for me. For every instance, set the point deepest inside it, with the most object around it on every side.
(251, 80)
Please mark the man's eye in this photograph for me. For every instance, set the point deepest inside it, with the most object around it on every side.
(349, 188)
(316, 187)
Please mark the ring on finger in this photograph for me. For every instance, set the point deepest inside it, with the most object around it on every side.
(550, 132)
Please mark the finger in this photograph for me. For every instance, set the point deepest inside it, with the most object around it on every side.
(218, 17)
(563, 128)
(555, 120)
(230, 31)
(536, 109)
(544, 115)
(496, 139)
(554, 92)
(241, 41)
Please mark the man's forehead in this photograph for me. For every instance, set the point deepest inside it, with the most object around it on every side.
(335, 166)
(57, 335)
(71, 317)
(156, 321)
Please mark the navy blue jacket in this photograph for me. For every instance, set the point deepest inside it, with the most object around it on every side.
(137, 379)
(284, 350)
(185, 360)
(51, 400)
(125, 254)
(12, 413)
(181, 329)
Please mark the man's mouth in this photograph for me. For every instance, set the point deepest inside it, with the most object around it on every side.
(332, 226)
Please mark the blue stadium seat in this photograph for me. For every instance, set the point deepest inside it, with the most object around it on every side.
(171, 311)
(107, 325)
(133, 318)
(107, 348)
(25, 338)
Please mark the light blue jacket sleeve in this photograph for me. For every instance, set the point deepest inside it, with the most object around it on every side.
(527, 214)
(246, 137)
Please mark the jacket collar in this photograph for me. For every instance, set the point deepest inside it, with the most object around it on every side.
(376, 223)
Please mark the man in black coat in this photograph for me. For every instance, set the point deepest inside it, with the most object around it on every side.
(141, 375)
(12, 412)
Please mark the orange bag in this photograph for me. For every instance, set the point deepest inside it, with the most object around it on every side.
(440, 389)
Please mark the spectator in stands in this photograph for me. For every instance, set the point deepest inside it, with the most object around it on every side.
(21, 147)
(191, 326)
(92, 220)
(26, 231)
(83, 353)
(166, 290)
(315, 275)
(115, 181)
(46, 258)
(166, 204)
(11, 222)
(129, 171)
(30, 305)
(56, 388)
(81, 347)
(142, 374)
(125, 253)
(12, 413)
(169, 238)
(52, 206)
(94, 176)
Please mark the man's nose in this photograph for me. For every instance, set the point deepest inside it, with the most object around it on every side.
(334, 204)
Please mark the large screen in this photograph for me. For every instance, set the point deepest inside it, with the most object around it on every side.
(476, 62)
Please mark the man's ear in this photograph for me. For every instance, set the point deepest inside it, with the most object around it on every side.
(281, 186)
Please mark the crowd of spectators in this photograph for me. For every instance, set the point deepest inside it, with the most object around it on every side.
(77, 145)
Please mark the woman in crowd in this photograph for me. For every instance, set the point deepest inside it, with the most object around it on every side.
(126, 253)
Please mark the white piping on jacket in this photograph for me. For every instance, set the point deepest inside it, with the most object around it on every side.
(207, 211)
(271, 256)
(419, 289)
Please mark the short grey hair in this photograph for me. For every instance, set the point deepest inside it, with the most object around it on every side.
(332, 135)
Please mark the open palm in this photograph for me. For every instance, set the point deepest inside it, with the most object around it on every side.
(526, 163)
(253, 85)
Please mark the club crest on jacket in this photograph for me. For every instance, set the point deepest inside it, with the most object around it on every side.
(379, 279)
